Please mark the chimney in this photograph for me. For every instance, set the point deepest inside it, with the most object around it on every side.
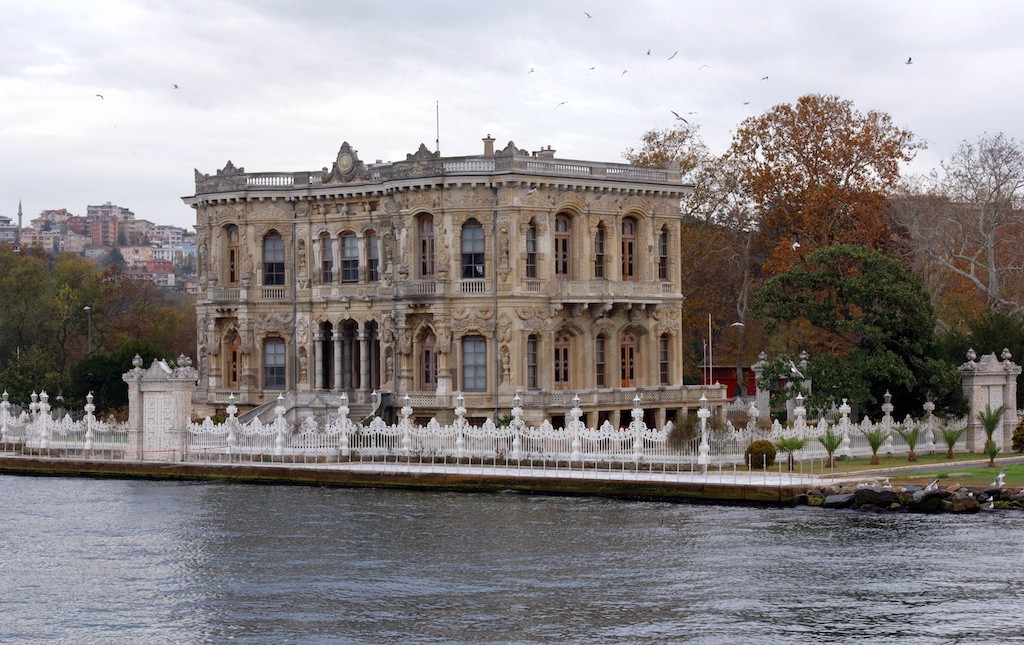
(545, 153)
(488, 146)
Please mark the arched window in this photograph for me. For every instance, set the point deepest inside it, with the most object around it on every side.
(664, 372)
(273, 259)
(531, 250)
(472, 250)
(474, 364)
(600, 361)
(563, 230)
(532, 381)
(663, 254)
(628, 249)
(425, 248)
(627, 360)
(562, 361)
(599, 251)
(326, 259)
(428, 361)
(273, 364)
(372, 258)
(231, 236)
(349, 258)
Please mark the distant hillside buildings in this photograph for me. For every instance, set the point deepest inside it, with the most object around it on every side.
(158, 252)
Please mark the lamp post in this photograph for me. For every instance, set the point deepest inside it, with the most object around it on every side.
(88, 322)
(740, 385)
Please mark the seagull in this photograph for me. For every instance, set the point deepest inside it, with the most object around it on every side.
(175, 85)
(587, 15)
(679, 117)
(910, 61)
(746, 102)
(623, 72)
(796, 245)
(592, 68)
(794, 370)
(101, 97)
(1001, 477)
(531, 71)
(531, 191)
(673, 55)
(562, 103)
(764, 78)
(701, 67)
(934, 485)
(648, 52)
(886, 485)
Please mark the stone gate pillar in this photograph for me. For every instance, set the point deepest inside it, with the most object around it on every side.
(159, 409)
(762, 397)
(990, 383)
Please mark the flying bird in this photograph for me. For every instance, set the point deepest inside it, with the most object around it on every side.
(531, 191)
(562, 103)
(175, 86)
(701, 67)
(764, 78)
(796, 245)
(623, 72)
(673, 55)
(591, 69)
(101, 97)
(648, 52)
(679, 117)
(910, 61)
(587, 15)
(531, 71)
(793, 369)
(746, 102)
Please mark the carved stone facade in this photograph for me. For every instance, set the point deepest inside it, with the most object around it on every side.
(489, 276)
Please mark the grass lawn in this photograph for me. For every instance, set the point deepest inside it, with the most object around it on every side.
(949, 472)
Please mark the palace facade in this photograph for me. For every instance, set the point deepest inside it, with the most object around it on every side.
(484, 277)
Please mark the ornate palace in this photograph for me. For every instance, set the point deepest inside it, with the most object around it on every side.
(489, 276)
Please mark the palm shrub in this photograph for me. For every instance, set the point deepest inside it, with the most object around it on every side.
(951, 437)
(911, 435)
(990, 420)
(831, 442)
(790, 445)
(876, 437)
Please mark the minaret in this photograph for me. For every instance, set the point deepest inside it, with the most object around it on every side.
(17, 235)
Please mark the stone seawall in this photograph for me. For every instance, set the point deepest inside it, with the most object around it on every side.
(412, 479)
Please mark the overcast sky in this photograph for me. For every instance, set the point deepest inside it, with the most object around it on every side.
(278, 86)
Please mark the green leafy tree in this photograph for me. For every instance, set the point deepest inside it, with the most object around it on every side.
(101, 374)
(872, 328)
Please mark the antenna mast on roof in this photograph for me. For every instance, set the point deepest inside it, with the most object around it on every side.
(437, 117)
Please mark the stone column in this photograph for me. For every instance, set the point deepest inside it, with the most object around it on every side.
(762, 397)
(988, 384)
(337, 358)
(364, 362)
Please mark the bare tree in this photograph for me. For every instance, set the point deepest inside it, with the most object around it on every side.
(971, 221)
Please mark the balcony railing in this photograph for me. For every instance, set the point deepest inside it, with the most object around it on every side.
(473, 286)
(607, 289)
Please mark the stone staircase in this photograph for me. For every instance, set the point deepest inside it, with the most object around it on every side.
(322, 406)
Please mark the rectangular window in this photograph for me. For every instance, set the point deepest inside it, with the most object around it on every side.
(663, 256)
(371, 258)
(326, 260)
(273, 260)
(663, 370)
(561, 363)
(599, 360)
(273, 364)
(531, 252)
(474, 364)
(599, 253)
(531, 363)
(349, 259)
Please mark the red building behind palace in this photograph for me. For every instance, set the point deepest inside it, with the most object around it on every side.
(726, 375)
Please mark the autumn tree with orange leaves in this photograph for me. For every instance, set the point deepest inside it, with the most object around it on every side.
(820, 171)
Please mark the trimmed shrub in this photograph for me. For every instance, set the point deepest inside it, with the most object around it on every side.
(760, 454)
(1018, 436)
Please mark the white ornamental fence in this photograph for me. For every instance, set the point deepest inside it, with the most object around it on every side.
(36, 431)
(517, 443)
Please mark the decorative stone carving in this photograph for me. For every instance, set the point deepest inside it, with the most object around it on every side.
(227, 179)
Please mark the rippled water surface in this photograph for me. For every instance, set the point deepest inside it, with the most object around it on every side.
(97, 561)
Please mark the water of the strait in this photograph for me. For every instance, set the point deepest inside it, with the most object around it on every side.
(103, 561)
